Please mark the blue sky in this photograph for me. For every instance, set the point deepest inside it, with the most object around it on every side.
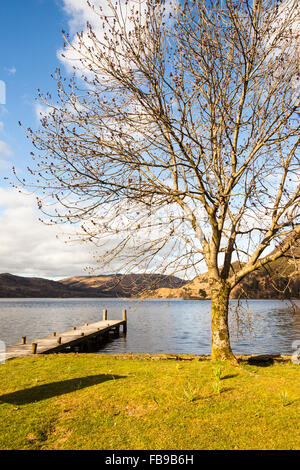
(30, 38)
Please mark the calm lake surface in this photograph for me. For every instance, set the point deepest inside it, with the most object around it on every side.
(157, 326)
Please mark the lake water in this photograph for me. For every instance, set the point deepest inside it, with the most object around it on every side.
(157, 326)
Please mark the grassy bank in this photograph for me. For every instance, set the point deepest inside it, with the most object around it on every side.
(100, 402)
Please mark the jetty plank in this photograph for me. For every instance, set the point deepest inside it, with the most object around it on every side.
(70, 338)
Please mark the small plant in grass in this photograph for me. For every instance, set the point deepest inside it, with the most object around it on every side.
(218, 373)
(284, 398)
(217, 387)
(190, 393)
(154, 399)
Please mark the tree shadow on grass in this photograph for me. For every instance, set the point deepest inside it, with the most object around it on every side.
(291, 402)
(55, 389)
(263, 360)
(213, 395)
(229, 376)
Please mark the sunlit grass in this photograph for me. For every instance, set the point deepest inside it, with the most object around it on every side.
(100, 402)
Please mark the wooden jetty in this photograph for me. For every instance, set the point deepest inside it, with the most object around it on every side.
(86, 338)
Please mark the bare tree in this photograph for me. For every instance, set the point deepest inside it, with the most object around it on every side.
(175, 141)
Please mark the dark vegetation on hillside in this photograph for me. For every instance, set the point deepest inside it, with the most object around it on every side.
(84, 286)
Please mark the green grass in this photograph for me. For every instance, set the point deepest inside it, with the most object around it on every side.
(90, 401)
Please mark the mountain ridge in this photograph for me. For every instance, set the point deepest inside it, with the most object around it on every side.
(279, 279)
(114, 285)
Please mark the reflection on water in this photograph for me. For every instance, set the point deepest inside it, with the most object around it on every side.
(157, 326)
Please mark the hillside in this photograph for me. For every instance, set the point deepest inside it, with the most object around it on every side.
(280, 279)
(18, 286)
(117, 285)
(123, 285)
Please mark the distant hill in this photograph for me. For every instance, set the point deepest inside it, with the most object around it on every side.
(123, 285)
(117, 285)
(18, 286)
(279, 279)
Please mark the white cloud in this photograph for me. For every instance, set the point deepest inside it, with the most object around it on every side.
(3, 109)
(287, 18)
(41, 110)
(80, 13)
(10, 70)
(5, 150)
(28, 247)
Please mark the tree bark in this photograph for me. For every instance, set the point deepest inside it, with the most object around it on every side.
(220, 341)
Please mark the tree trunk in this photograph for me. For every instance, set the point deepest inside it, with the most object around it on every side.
(220, 343)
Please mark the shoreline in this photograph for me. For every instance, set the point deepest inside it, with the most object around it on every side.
(242, 358)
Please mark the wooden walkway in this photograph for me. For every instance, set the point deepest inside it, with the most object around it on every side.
(86, 338)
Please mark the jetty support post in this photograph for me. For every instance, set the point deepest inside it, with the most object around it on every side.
(23, 340)
(116, 331)
(104, 315)
(125, 321)
(33, 348)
